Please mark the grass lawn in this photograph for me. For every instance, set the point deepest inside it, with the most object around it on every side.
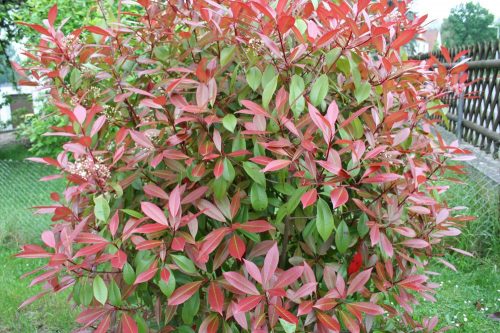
(464, 300)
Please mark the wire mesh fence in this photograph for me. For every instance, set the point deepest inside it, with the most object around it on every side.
(20, 190)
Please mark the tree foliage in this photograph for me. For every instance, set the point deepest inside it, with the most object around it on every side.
(240, 166)
(467, 24)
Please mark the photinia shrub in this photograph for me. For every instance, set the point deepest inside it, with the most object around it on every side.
(245, 166)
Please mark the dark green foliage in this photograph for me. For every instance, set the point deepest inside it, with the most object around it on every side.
(467, 24)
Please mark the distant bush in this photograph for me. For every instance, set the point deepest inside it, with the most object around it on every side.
(238, 166)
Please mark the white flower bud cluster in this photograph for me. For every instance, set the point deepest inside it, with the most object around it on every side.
(86, 168)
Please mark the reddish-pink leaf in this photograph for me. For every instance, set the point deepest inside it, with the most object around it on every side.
(97, 30)
(88, 316)
(104, 325)
(49, 239)
(328, 321)
(154, 212)
(141, 139)
(403, 38)
(366, 307)
(276, 165)
(178, 244)
(165, 275)
(415, 243)
(219, 168)
(288, 277)
(210, 210)
(183, 293)
(241, 283)
(255, 227)
(90, 250)
(286, 315)
(52, 15)
(128, 324)
(155, 191)
(386, 245)
(146, 276)
(309, 198)
(339, 196)
(381, 178)
(114, 223)
(212, 241)
(359, 281)
(270, 264)
(236, 247)
(349, 322)
(174, 201)
(215, 297)
(248, 303)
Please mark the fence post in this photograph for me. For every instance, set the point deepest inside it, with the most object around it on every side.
(460, 116)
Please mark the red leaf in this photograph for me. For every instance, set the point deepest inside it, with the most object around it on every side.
(128, 324)
(403, 38)
(154, 212)
(146, 276)
(52, 15)
(415, 243)
(255, 227)
(165, 275)
(212, 241)
(89, 250)
(141, 139)
(104, 325)
(381, 178)
(366, 307)
(286, 315)
(328, 321)
(237, 247)
(174, 202)
(288, 277)
(359, 281)
(210, 210)
(178, 244)
(88, 316)
(339, 196)
(270, 264)
(215, 297)
(219, 168)
(386, 245)
(248, 303)
(276, 165)
(183, 293)
(356, 263)
(96, 30)
(349, 322)
(49, 239)
(285, 23)
(309, 198)
(241, 283)
(320, 122)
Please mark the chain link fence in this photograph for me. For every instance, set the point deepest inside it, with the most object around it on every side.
(20, 189)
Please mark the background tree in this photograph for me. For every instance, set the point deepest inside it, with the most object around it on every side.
(467, 24)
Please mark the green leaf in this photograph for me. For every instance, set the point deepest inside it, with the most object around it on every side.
(115, 295)
(167, 288)
(295, 98)
(324, 219)
(332, 56)
(258, 197)
(229, 121)
(75, 78)
(229, 172)
(361, 226)
(269, 90)
(343, 65)
(319, 90)
(190, 309)
(161, 53)
(128, 274)
(226, 55)
(254, 77)
(219, 187)
(267, 76)
(253, 171)
(86, 293)
(288, 327)
(342, 237)
(184, 263)
(100, 290)
(133, 213)
(301, 25)
(101, 208)
(362, 91)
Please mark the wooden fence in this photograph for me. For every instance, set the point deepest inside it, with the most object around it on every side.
(478, 121)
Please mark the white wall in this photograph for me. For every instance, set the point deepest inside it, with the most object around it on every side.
(9, 89)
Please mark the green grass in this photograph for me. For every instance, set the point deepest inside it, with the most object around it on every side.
(467, 297)
(48, 314)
